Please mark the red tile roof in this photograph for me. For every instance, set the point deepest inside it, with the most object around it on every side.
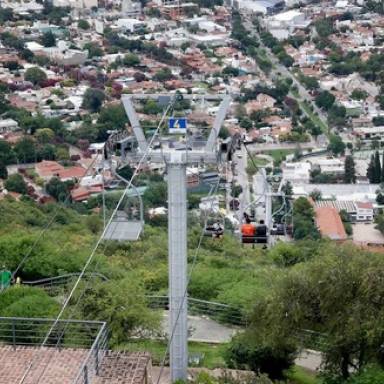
(72, 173)
(329, 223)
(80, 194)
(364, 205)
(48, 168)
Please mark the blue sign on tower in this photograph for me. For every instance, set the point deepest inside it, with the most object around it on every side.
(177, 125)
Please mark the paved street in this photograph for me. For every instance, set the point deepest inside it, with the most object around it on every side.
(278, 70)
(263, 147)
(241, 178)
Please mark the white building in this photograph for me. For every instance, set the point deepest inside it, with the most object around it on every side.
(284, 24)
(8, 125)
(130, 25)
(296, 172)
(79, 4)
(357, 210)
(213, 40)
(333, 166)
(265, 7)
(368, 134)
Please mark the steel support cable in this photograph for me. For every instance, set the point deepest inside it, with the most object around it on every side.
(100, 239)
(186, 289)
(47, 226)
(129, 185)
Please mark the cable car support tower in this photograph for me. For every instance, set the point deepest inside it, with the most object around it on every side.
(176, 164)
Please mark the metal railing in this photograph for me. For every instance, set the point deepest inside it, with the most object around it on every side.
(32, 331)
(222, 313)
(59, 284)
(91, 365)
(90, 335)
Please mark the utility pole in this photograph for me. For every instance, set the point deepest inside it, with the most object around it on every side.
(177, 162)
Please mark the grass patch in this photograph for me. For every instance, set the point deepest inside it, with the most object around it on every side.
(298, 375)
(255, 165)
(279, 155)
(212, 354)
(314, 117)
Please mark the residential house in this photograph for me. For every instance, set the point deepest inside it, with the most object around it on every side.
(329, 223)
(284, 24)
(48, 169)
(262, 102)
(8, 125)
(296, 172)
(357, 211)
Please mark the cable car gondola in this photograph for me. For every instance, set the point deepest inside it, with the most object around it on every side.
(252, 233)
(127, 224)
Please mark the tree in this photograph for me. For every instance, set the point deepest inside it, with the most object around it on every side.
(25, 301)
(16, 183)
(336, 116)
(336, 145)
(35, 75)
(93, 50)
(378, 121)
(349, 170)
(156, 194)
(237, 190)
(332, 293)
(151, 108)
(44, 135)
(26, 150)
(62, 153)
(371, 169)
(60, 190)
(83, 24)
(316, 195)
(377, 169)
(139, 77)
(163, 75)
(7, 155)
(126, 172)
(246, 123)
(369, 375)
(131, 60)
(359, 94)
(127, 315)
(93, 99)
(12, 65)
(249, 352)
(309, 82)
(325, 100)
(324, 27)
(303, 220)
(382, 169)
(113, 117)
(48, 39)
(3, 171)
(287, 188)
(379, 197)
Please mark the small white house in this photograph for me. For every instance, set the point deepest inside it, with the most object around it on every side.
(8, 125)
(130, 25)
(284, 24)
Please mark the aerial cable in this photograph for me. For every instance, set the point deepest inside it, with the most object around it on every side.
(47, 226)
(100, 239)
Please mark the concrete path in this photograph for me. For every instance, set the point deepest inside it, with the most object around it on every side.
(203, 329)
